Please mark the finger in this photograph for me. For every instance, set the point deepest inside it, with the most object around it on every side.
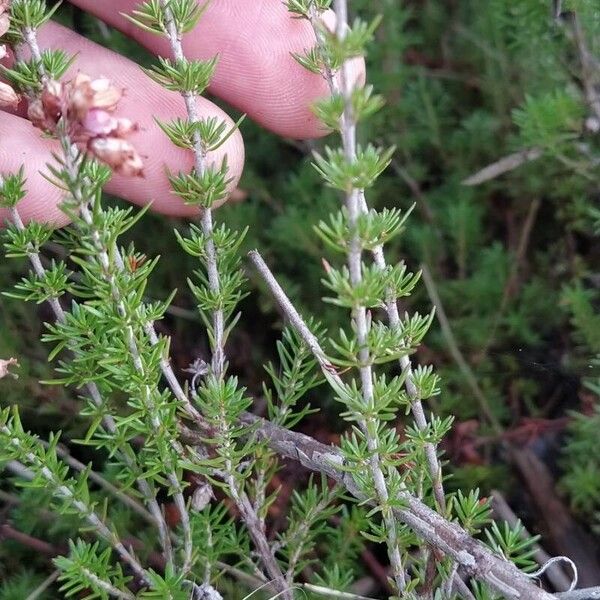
(143, 101)
(22, 145)
(256, 72)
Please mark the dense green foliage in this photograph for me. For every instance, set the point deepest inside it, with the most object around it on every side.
(514, 261)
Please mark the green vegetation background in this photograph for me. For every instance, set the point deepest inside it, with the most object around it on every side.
(515, 260)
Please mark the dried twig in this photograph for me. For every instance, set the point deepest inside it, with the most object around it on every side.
(592, 593)
(589, 66)
(504, 165)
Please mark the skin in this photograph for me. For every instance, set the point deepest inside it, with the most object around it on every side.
(256, 74)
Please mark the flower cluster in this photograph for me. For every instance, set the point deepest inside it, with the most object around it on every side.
(8, 96)
(86, 107)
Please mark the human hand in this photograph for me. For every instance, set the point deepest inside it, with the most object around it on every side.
(255, 73)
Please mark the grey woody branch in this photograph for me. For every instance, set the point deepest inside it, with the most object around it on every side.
(474, 558)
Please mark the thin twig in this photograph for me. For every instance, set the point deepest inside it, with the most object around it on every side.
(40, 547)
(392, 308)
(107, 586)
(589, 67)
(250, 516)
(214, 281)
(127, 453)
(584, 594)
(329, 593)
(125, 498)
(172, 477)
(40, 589)
(504, 165)
(301, 531)
(85, 511)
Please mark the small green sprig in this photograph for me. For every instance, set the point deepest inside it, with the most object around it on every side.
(89, 569)
(12, 188)
(150, 15)
(510, 542)
(303, 8)
(213, 133)
(25, 75)
(49, 472)
(192, 76)
(29, 15)
(202, 189)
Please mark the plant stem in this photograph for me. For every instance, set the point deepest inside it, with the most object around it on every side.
(41, 589)
(354, 260)
(248, 512)
(435, 469)
(214, 281)
(105, 262)
(30, 38)
(107, 586)
(311, 341)
(391, 308)
(300, 533)
(104, 483)
(126, 454)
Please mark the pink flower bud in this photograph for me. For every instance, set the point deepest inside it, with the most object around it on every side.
(8, 96)
(99, 122)
(3, 52)
(118, 154)
(105, 94)
(52, 99)
(125, 127)
(97, 93)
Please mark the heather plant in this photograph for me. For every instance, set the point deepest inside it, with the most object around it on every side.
(194, 448)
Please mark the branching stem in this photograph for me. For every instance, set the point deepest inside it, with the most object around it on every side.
(190, 99)
(127, 454)
(248, 512)
(354, 260)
